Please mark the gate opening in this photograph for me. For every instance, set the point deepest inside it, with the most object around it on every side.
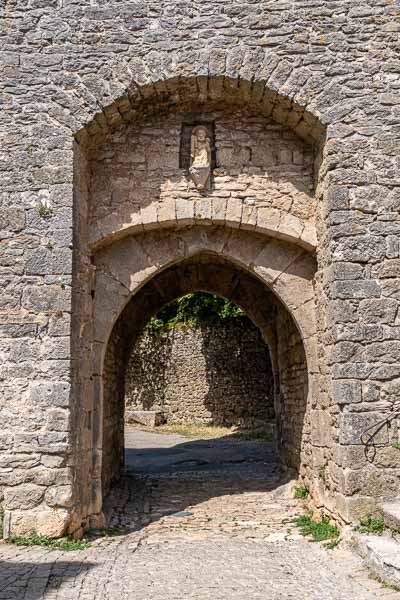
(276, 375)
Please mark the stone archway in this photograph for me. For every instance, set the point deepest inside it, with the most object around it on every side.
(212, 273)
(138, 214)
(137, 275)
(88, 104)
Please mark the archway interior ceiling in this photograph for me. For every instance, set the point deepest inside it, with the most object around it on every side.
(203, 272)
(207, 272)
(267, 154)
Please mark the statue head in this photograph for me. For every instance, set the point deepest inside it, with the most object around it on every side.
(201, 133)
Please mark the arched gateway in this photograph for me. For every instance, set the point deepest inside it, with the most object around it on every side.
(154, 220)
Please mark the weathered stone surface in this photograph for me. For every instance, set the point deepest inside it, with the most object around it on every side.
(150, 418)
(382, 556)
(23, 497)
(186, 532)
(52, 523)
(213, 374)
(307, 143)
(358, 428)
(391, 515)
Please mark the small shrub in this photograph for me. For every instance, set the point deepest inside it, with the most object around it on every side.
(45, 212)
(322, 474)
(300, 492)
(371, 524)
(195, 309)
(318, 530)
(34, 539)
(396, 445)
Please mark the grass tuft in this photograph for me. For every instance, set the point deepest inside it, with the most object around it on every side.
(300, 492)
(318, 530)
(371, 524)
(64, 543)
(200, 430)
(44, 211)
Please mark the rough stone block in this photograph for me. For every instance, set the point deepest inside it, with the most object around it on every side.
(355, 508)
(346, 392)
(23, 497)
(361, 428)
(321, 428)
(150, 418)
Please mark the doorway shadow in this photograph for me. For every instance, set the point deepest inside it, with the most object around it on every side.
(167, 476)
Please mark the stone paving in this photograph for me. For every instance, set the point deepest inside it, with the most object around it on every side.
(198, 520)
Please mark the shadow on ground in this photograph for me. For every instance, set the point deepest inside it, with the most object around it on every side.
(167, 474)
(31, 580)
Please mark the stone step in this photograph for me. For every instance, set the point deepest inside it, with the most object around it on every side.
(381, 555)
(391, 515)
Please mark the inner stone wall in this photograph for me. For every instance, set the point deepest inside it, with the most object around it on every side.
(113, 434)
(293, 418)
(212, 374)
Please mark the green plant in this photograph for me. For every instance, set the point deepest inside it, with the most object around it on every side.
(45, 212)
(300, 492)
(332, 544)
(64, 543)
(196, 309)
(319, 530)
(371, 524)
(50, 245)
(322, 473)
(396, 445)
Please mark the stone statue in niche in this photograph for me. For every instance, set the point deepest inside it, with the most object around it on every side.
(200, 157)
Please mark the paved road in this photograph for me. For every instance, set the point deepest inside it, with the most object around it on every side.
(201, 519)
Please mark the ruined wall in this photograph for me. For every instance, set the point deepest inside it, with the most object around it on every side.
(213, 374)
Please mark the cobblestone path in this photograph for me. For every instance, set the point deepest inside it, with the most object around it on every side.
(211, 521)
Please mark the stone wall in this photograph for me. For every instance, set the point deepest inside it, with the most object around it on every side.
(293, 418)
(260, 163)
(218, 374)
(113, 411)
(71, 75)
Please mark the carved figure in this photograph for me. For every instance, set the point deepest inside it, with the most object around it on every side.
(200, 157)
